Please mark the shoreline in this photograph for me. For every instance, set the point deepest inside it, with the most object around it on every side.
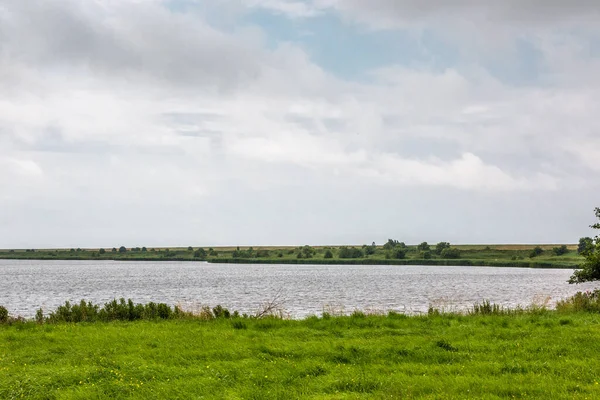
(316, 261)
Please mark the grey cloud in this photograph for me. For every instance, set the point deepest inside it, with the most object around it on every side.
(410, 12)
(137, 41)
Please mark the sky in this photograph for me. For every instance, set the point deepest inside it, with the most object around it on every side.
(291, 122)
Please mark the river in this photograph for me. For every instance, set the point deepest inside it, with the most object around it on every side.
(26, 285)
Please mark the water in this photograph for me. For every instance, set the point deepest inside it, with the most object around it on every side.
(26, 285)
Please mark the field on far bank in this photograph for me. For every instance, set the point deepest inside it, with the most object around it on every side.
(505, 255)
(544, 355)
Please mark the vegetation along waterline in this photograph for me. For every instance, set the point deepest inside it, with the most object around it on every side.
(392, 252)
(124, 350)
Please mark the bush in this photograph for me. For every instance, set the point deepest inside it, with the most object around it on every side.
(581, 301)
(122, 249)
(370, 250)
(426, 255)
(221, 312)
(586, 244)
(423, 247)
(537, 251)
(3, 315)
(114, 250)
(450, 253)
(190, 248)
(263, 254)
(39, 316)
(351, 252)
(200, 253)
(328, 254)
(101, 251)
(398, 254)
(441, 246)
(559, 251)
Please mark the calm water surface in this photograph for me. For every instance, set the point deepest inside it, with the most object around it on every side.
(26, 285)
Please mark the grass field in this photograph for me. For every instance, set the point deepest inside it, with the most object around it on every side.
(544, 354)
(492, 255)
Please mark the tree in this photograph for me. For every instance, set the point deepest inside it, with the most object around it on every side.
(114, 250)
(200, 253)
(590, 269)
(423, 247)
(328, 254)
(190, 248)
(144, 249)
(307, 251)
(122, 249)
(102, 251)
(441, 246)
(585, 244)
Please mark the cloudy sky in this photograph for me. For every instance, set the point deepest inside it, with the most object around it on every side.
(195, 122)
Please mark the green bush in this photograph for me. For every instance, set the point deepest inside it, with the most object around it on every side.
(450, 253)
(3, 315)
(398, 254)
(423, 247)
(328, 254)
(537, 251)
(581, 301)
(559, 251)
(350, 252)
(441, 246)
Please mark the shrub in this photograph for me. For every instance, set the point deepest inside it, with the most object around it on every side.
(220, 312)
(581, 301)
(426, 255)
(423, 247)
(101, 251)
(239, 325)
(450, 253)
(122, 249)
(39, 316)
(328, 254)
(262, 253)
(537, 251)
(3, 315)
(190, 248)
(398, 254)
(308, 251)
(351, 252)
(370, 250)
(441, 246)
(114, 250)
(280, 254)
(144, 249)
(586, 244)
(486, 308)
(559, 251)
(200, 253)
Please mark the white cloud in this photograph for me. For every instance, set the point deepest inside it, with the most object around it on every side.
(129, 108)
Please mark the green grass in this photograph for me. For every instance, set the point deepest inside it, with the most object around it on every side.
(476, 255)
(542, 354)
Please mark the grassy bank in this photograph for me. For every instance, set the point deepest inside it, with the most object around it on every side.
(540, 354)
(546, 256)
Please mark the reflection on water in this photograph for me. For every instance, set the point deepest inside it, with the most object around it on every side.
(26, 285)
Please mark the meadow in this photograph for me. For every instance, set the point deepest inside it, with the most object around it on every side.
(529, 256)
(489, 353)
